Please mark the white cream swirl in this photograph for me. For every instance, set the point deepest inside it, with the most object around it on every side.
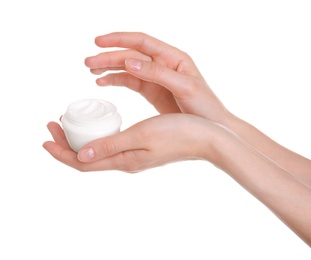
(90, 109)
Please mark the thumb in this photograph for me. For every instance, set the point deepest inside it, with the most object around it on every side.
(108, 146)
(159, 74)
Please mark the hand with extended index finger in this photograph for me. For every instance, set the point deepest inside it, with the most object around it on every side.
(164, 75)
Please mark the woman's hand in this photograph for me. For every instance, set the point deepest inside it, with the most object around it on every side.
(191, 128)
(164, 75)
(150, 143)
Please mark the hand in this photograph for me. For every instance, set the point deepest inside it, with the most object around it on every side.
(164, 75)
(150, 143)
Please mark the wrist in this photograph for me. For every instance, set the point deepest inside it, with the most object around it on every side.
(212, 141)
(227, 119)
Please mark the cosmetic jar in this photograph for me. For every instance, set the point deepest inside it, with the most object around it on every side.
(89, 119)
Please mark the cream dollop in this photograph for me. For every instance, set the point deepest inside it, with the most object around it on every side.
(89, 119)
(90, 109)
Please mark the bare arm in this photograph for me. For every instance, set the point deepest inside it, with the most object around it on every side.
(285, 195)
(292, 162)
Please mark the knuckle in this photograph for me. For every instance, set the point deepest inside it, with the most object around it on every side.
(107, 149)
(156, 70)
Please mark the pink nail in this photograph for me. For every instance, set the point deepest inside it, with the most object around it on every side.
(133, 64)
(86, 154)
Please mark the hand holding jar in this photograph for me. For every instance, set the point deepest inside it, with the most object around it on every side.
(193, 125)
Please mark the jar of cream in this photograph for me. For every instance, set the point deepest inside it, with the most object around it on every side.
(89, 119)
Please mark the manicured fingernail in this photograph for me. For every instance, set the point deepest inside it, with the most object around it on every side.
(133, 64)
(86, 155)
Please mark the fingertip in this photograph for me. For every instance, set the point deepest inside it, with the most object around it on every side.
(86, 61)
(45, 144)
(49, 146)
(53, 125)
(86, 154)
(50, 125)
(98, 40)
(101, 82)
(133, 64)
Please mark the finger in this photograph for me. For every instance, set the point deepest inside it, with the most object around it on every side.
(137, 41)
(179, 84)
(97, 71)
(58, 135)
(121, 79)
(110, 146)
(161, 98)
(113, 60)
(127, 161)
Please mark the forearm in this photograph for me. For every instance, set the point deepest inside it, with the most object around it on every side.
(281, 192)
(292, 162)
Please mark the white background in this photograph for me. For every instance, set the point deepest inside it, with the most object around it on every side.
(256, 57)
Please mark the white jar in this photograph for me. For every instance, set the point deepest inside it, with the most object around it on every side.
(89, 119)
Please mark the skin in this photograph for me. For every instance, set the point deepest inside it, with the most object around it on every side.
(171, 82)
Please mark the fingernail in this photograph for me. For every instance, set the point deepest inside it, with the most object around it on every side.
(133, 64)
(86, 155)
